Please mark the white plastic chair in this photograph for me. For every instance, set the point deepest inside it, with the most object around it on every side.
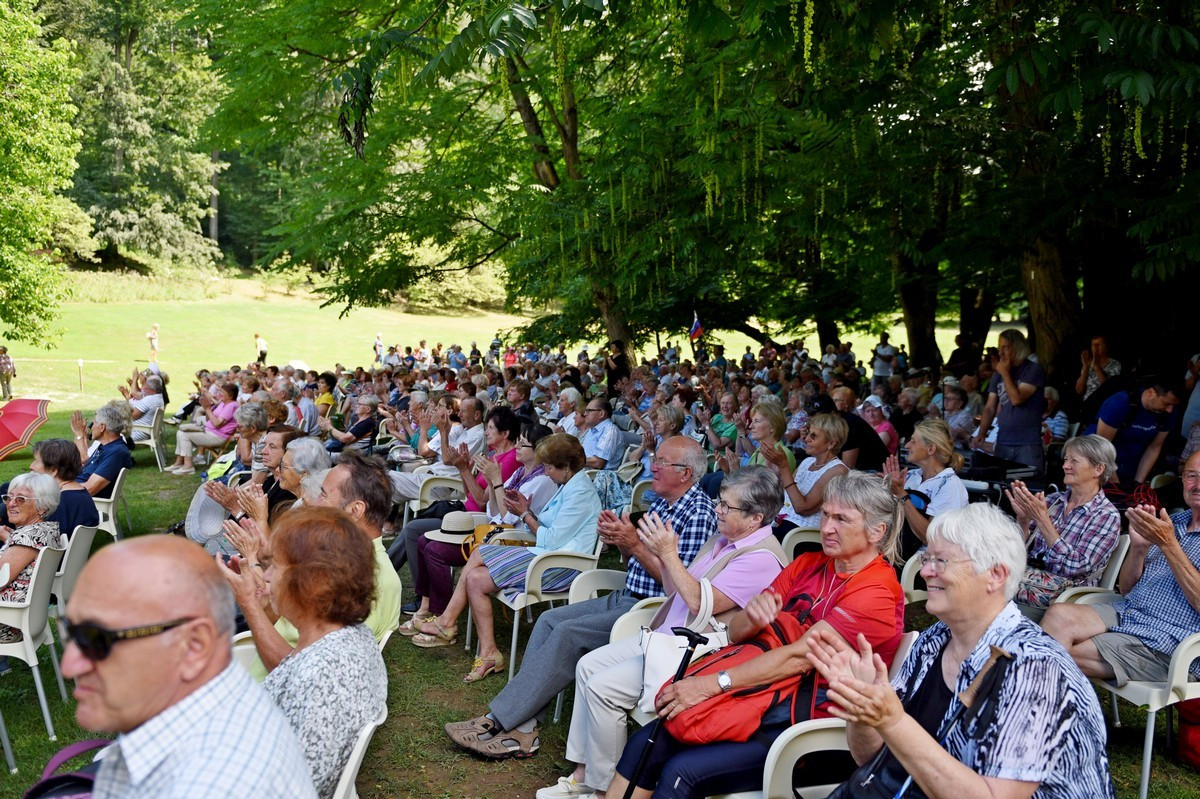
(1112, 570)
(32, 618)
(533, 594)
(155, 441)
(79, 547)
(585, 587)
(908, 580)
(1153, 696)
(800, 535)
(805, 738)
(630, 624)
(637, 501)
(425, 497)
(108, 507)
(345, 788)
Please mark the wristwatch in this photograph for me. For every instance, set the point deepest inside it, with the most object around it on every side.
(724, 680)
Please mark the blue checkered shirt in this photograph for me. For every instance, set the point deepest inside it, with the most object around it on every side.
(694, 520)
(1155, 610)
(225, 739)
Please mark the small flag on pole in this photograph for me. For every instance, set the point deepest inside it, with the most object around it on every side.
(697, 330)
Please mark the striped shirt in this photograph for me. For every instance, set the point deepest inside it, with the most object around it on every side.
(1087, 537)
(1047, 726)
(1155, 610)
(226, 739)
(694, 519)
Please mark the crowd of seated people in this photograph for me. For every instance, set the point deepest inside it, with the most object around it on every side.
(756, 446)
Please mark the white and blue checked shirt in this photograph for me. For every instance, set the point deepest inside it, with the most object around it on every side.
(694, 520)
(225, 740)
(1156, 611)
(604, 441)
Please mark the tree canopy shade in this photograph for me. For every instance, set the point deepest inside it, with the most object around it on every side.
(780, 160)
(37, 158)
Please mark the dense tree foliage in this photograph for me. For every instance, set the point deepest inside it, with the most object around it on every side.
(37, 157)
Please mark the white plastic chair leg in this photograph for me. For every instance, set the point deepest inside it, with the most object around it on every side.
(62, 689)
(41, 692)
(8, 752)
(558, 705)
(467, 645)
(1147, 748)
(512, 655)
(1116, 714)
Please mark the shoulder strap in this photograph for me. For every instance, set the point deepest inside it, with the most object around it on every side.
(72, 751)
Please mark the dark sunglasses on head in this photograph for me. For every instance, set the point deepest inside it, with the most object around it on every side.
(96, 642)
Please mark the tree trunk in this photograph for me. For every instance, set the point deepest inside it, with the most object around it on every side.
(917, 285)
(616, 324)
(543, 167)
(212, 200)
(976, 307)
(1053, 304)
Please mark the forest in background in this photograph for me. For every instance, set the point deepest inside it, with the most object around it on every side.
(770, 165)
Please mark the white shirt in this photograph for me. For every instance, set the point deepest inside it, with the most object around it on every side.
(945, 490)
(472, 437)
(227, 739)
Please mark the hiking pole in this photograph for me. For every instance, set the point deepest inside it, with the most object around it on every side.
(694, 640)
(967, 699)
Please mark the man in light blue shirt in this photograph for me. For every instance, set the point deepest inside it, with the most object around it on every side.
(149, 629)
(603, 443)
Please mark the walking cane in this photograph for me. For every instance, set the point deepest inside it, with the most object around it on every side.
(694, 640)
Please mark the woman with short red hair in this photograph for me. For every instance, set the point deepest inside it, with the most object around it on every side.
(321, 576)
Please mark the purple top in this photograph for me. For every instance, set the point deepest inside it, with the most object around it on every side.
(741, 580)
(225, 411)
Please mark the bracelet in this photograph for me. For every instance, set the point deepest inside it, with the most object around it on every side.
(789, 485)
(495, 486)
(238, 517)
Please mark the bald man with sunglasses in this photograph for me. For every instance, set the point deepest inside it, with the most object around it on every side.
(148, 642)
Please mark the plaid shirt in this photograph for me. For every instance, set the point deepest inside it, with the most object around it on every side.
(225, 739)
(7, 367)
(1156, 611)
(694, 520)
(1087, 537)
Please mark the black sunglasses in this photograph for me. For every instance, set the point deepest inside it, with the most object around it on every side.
(96, 642)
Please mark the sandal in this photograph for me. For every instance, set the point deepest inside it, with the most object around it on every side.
(482, 667)
(511, 743)
(413, 626)
(465, 732)
(442, 637)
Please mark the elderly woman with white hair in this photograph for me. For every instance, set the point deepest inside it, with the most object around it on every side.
(1034, 727)
(570, 405)
(30, 499)
(303, 461)
(1072, 533)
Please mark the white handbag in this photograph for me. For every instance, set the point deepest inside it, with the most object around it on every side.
(662, 651)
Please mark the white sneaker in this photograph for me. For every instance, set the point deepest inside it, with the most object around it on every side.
(566, 788)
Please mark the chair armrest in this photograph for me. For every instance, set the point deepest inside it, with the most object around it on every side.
(1181, 661)
(649, 603)
(515, 535)
(795, 742)
(1087, 595)
(588, 584)
(555, 560)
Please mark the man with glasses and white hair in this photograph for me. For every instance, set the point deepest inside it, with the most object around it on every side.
(1133, 639)
(563, 635)
(148, 644)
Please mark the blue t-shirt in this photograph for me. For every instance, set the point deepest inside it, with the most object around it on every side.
(1020, 424)
(1136, 428)
(107, 461)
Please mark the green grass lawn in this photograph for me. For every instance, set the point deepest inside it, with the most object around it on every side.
(410, 756)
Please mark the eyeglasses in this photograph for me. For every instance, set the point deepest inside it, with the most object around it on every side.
(723, 505)
(15, 499)
(525, 444)
(595, 410)
(95, 642)
(658, 463)
(938, 565)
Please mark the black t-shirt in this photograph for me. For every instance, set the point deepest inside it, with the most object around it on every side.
(872, 452)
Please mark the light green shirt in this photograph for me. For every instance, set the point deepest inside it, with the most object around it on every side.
(385, 610)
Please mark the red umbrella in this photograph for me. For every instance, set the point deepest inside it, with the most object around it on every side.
(19, 420)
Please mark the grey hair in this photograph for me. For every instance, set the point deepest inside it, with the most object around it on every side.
(571, 395)
(1098, 450)
(113, 415)
(913, 394)
(289, 390)
(1020, 345)
(44, 488)
(987, 536)
(673, 416)
(308, 455)
(869, 495)
(154, 384)
(221, 605)
(1052, 393)
(252, 415)
(758, 490)
(692, 455)
(311, 483)
(418, 398)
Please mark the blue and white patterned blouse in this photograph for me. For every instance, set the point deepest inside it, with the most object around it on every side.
(1047, 728)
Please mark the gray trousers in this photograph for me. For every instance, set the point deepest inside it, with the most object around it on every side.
(559, 639)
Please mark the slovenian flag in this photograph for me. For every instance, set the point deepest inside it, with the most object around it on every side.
(697, 331)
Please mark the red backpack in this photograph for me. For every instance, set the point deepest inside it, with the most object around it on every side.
(1188, 745)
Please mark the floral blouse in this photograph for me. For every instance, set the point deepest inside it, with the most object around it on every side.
(38, 535)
